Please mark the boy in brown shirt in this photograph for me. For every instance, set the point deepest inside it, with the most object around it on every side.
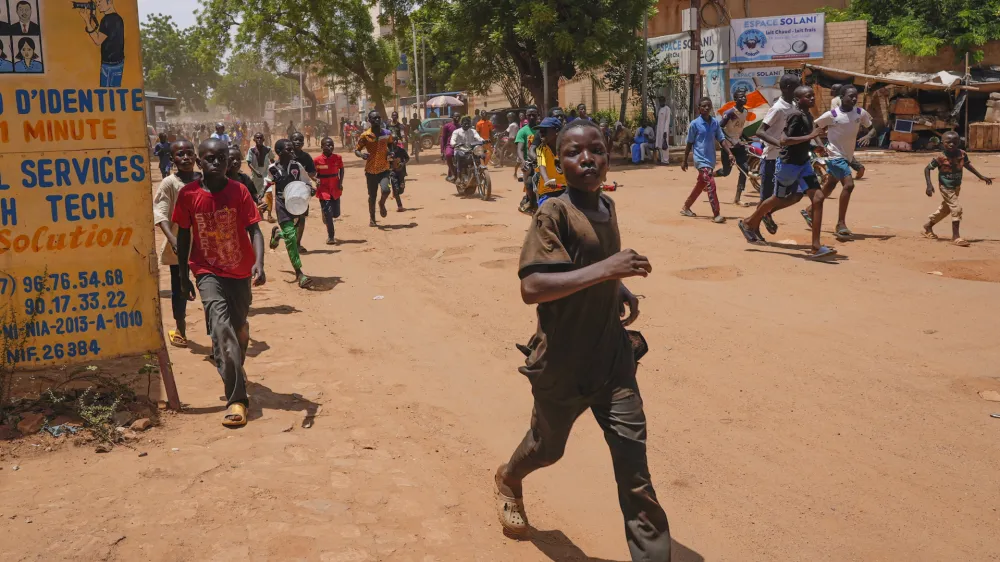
(581, 356)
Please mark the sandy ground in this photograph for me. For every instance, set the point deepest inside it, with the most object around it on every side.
(797, 410)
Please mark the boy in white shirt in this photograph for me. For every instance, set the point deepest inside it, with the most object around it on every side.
(842, 126)
(770, 132)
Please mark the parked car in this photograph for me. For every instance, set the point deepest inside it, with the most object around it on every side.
(429, 132)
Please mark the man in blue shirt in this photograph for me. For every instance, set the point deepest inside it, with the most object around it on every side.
(703, 132)
(220, 133)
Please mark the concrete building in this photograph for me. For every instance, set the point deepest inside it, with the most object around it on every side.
(668, 12)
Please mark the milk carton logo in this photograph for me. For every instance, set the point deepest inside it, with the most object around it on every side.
(751, 42)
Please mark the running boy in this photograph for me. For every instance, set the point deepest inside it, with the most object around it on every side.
(949, 165)
(283, 172)
(330, 186)
(398, 159)
(259, 158)
(163, 211)
(219, 239)
(770, 132)
(551, 181)
(375, 142)
(703, 132)
(733, 123)
(162, 149)
(235, 172)
(794, 175)
(581, 358)
(842, 125)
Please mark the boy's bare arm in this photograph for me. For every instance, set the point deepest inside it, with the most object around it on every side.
(687, 154)
(546, 287)
(767, 137)
(927, 176)
(183, 252)
(968, 166)
(791, 141)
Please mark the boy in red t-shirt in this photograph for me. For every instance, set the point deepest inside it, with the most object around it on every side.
(219, 240)
(330, 174)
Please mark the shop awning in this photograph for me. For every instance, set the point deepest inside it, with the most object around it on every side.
(935, 82)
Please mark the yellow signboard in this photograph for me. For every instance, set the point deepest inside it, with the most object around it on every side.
(77, 263)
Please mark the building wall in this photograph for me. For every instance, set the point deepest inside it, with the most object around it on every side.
(668, 12)
(884, 59)
(844, 48)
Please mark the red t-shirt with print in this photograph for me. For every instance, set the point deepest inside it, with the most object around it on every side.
(328, 176)
(220, 243)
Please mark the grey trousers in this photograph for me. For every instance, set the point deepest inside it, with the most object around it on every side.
(618, 410)
(227, 304)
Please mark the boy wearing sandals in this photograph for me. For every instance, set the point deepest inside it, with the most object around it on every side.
(794, 176)
(219, 239)
(949, 165)
(703, 133)
(182, 153)
(842, 124)
(581, 357)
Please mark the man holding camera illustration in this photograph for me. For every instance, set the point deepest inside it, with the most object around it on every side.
(109, 35)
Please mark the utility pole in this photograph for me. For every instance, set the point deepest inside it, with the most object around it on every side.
(645, 67)
(423, 71)
(302, 111)
(696, 46)
(416, 75)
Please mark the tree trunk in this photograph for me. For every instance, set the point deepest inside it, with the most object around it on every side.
(625, 90)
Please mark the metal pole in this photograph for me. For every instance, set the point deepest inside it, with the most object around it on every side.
(423, 71)
(645, 66)
(302, 111)
(968, 78)
(545, 88)
(696, 43)
(416, 75)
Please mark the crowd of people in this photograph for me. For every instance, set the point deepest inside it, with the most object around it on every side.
(572, 265)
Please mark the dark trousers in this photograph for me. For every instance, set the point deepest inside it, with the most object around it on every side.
(740, 153)
(767, 169)
(227, 304)
(618, 410)
(178, 300)
(331, 210)
(165, 169)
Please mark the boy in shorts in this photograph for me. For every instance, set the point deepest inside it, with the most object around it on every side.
(219, 240)
(842, 125)
(949, 165)
(794, 175)
(581, 357)
(330, 185)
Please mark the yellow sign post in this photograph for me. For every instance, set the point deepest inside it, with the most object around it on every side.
(78, 269)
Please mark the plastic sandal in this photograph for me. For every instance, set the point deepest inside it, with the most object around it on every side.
(961, 242)
(176, 339)
(688, 212)
(236, 410)
(512, 516)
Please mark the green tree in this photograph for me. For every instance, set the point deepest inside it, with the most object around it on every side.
(572, 35)
(332, 37)
(170, 64)
(247, 83)
(921, 27)
(626, 68)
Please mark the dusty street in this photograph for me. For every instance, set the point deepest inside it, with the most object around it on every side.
(798, 411)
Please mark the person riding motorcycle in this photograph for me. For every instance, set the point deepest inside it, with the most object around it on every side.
(465, 136)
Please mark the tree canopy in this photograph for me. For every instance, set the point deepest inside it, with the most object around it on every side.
(332, 37)
(486, 35)
(921, 27)
(171, 64)
(247, 82)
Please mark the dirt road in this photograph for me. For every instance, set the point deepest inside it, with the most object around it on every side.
(797, 410)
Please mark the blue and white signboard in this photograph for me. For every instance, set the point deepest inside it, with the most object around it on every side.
(777, 38)
(714, 47)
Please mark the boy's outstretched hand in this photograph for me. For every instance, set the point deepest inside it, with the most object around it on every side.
(989, 181)
(930, 190)
(627, 263)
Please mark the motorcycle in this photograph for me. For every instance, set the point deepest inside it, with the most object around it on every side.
(474, 175)
(504, 151)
